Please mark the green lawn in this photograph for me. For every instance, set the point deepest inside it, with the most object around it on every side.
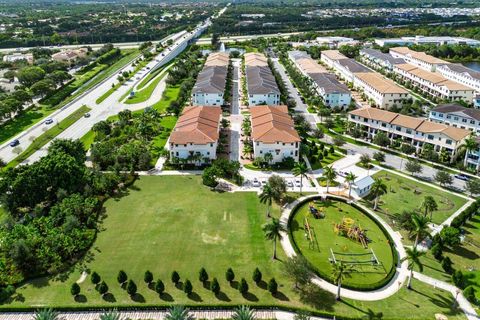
(48, 135)
(326, 161)
(407, 195)
(170, 94)
(151, 75)
(88, 139)
(175, 223)
(325, 239)
(145, 94)
(159, 141)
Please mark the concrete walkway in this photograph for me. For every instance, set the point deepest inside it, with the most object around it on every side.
(156, 315)
(462, 302)
(390, 289)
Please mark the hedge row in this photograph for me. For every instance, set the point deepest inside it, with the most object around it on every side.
(323, 275)
(466, 214)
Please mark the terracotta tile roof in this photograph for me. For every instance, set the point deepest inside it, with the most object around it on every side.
(380, 83)
(333, 54)
(407, 121)
(272, 124)
(197, 125)
(432, 77)
(375, 114)
(452, 132)
(217, 59)
(422, 56)
(308, 65)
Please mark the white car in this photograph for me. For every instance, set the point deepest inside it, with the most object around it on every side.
(290, 184)
(298, 183)
(49, 121)
(256, 183)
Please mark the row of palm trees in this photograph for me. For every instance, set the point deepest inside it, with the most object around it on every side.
(173, 313)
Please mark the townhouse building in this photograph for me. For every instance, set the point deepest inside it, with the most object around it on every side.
(261, 84)
(382, 92)
(405, 41)
(210, 85)
(347, 68)
(273, 132)
(196, 133)
(415, 131)
(457, 116)
(329, 57)
(434, 84)
(461, 74)
(418, 59)
(379, 60)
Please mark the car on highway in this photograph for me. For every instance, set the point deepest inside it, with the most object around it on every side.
(14, 143)
(49, 121)
(462, 176)
(87, 115)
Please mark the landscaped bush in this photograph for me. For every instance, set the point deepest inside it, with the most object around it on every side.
(468, 213)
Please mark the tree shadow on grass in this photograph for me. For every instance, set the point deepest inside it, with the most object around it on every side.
(234, 284)
(222, 296)
(281, 296)
(109, 297)
(138, 297)
(195, 297)
(262, 285)
(206, 285)
(80, 298)
(250, 297)
(179, 285)
(294, 225)
(464, 252)
(166, 297)
(316, 297)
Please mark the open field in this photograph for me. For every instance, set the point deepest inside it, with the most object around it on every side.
(407, 195)
(175, 223)
(325, 239)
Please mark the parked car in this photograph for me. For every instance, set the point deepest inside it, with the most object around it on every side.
(87, 115)
(290, 184)
(49, 121)
(298, 183)
(14, 143)
(462, 176)
(256, 183)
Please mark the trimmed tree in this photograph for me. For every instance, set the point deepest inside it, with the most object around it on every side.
(131, 287)
(243, 287)
(257, 276)
(148, 277)
(95, 278)
(175, 277)
(215, 286)
(272, 286)
(102, 288)
(203, 275)
(187, 287)
(159, 287)
(122, 277)
(75, 289)
(230, 275)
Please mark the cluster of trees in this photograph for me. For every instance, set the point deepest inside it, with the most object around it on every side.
(449, 51)
(126, 144)
(222, 168)
(52, 208)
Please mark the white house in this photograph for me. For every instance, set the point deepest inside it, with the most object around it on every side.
(261, 85)
(378, 59)
(273, 133)
(329, 57)
(196, 134)
(361, 187)
(457, 116)
(418, 59)
(382, 92)
(461, 74)
(210, 85)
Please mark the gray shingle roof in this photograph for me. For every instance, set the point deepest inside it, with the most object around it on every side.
(329, 83)
(353, 66)
(457, 67)
(211, 80)
(260, 80)
(383, 56)
(453, 107)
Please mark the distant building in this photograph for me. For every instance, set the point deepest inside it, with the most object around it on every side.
(18, 57)
(418, 59)
(335, 42)
(406, 41)
(379, 60)
(261, 85)
(196, 134)
(70, 56)
(210, 85)
(457, 116)
(461, 74)
(273, 132)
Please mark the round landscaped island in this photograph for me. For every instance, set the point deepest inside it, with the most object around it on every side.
(330, 230)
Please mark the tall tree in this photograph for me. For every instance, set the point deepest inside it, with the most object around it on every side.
(273, 231)
(340, 272)
(266, 197)
(300, 169)
(330, 174)
(469, 144)
(350, 179)
(420, 224)
(429, 205)
(378, 188)
(413, 257)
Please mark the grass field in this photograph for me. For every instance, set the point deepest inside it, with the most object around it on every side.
(159, 141)
(174, 223)
(326, 161)
(325, 239)
(407, 195)
(145, 94)
(48, 135)
(170, 94)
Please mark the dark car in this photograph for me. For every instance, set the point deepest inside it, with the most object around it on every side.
(87, 115)
(14, 143)
(462, 176)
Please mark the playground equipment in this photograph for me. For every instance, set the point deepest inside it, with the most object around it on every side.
(366, 258)
(316, 212)
(348, 229)
(310, 234)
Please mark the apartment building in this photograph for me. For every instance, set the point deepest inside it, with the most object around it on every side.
(461, 74)
(382, 92)
(273, 132)
(70, 56)
(305, 64)
(457, 116)
(406, 41)
(415, 131)
(379, 60)
(434, 84)
(473, 156)
(261, 85)
(210, 85)
(418, 59)
(196, 134)
(329, 57)
(347, 68)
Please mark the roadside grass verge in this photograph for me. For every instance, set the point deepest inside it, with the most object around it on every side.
(48, 135)
(146, 93)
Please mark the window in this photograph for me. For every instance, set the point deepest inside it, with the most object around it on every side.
(464, 120)
(448, 141)
(398, 128)
(430, 137)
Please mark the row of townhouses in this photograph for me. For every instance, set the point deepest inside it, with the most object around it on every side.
(415, 131)
(210, 85)
(406, 41)
(261, 85)
(382, 92)
(333, 92)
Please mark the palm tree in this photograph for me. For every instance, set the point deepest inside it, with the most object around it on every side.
(330, 174)
(378, 188)
(111, 315)
(243, 313)
(46, 314)
(267, 196)
(268, 157)
(178, 313)
(340, 272)
(273, 231)
(429, 205)
(350, 178)
(420, 227)
(247, 150)
(413, 258)
(300, 169)
(470, 145)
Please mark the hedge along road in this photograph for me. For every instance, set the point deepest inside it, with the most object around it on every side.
(401, 274)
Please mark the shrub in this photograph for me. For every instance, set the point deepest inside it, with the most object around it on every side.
(102, 288)
(229, 275)
(272, 286)
(243, 287)
(122, 277)
(75, 289)
(215, 286)
(148, 277)
(131, 287)
(450, 236)
(187, 287)
(469, 294)
(175, 277)
(203, 275)
(458, 279)
(332, 150)
(437, 251)
(95, 278)
(257, 276)
(447, 265)
(6, 292)
(379, 156)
